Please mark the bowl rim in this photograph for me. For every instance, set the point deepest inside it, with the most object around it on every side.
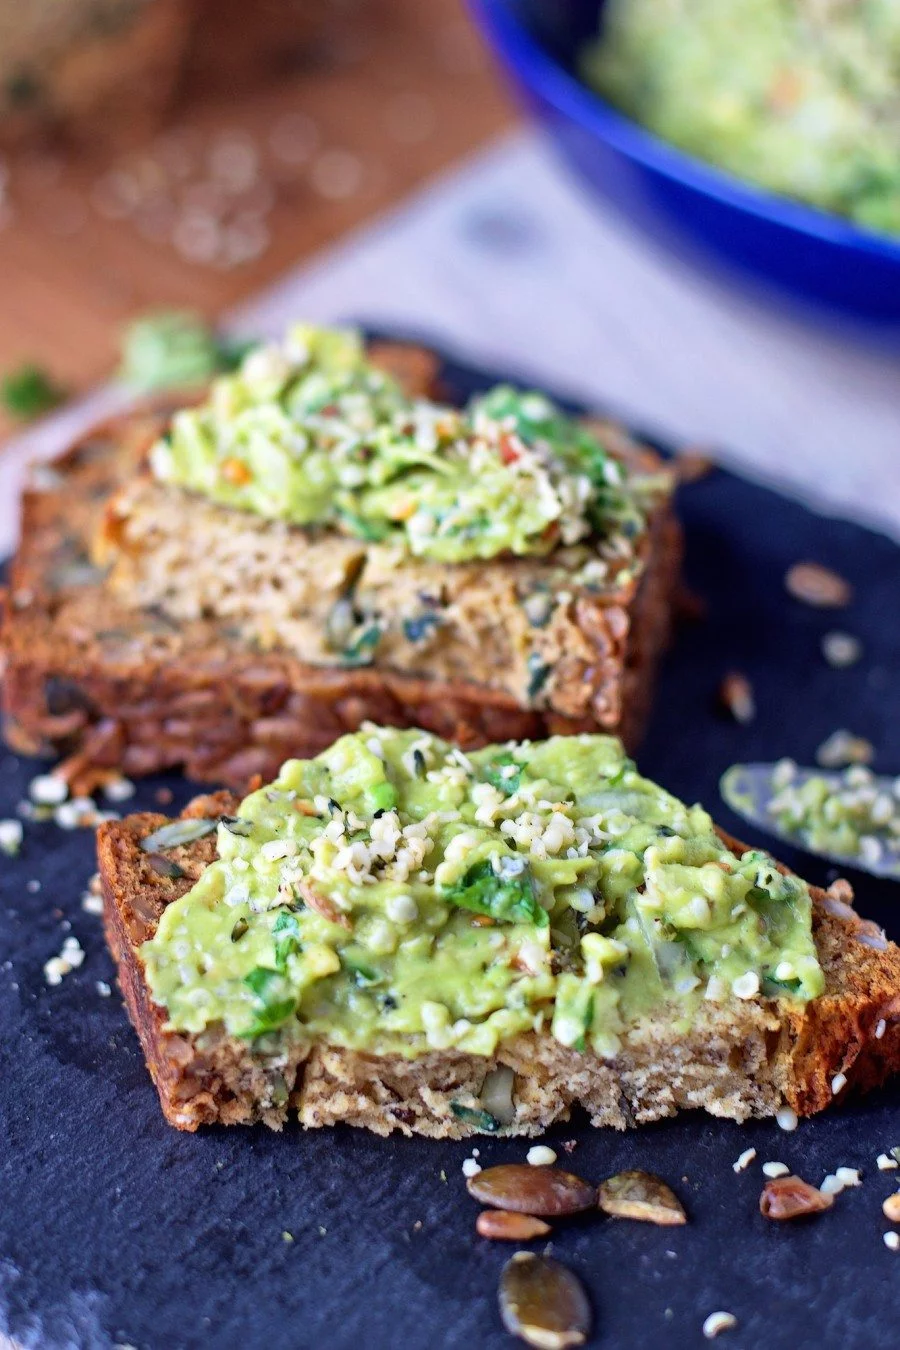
(543, 73)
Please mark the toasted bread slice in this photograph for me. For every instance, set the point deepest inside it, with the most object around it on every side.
(739, 1059)
(202, 647)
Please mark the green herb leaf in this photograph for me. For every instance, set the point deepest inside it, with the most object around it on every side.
(505, 783)
(372, 531)
(274, 1007)
(362, 649)
(286, 931)
(507, 896)
(178, 832)
(29, 391)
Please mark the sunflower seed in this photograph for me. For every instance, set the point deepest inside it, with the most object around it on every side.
(543, 1303)
(504, 1226)
(178, 832)
(546, 1191)
(817, 585)
(641, 1195)
(736, 697)
(792, 1198)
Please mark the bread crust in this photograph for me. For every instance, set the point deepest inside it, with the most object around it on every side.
(131, 690)
(740, 1059)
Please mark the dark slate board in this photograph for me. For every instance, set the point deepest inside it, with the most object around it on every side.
(116, 1230)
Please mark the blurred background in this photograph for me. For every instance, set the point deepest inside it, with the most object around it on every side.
(619, 201)
(185, 152)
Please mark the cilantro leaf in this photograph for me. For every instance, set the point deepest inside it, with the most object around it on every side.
(507, 896)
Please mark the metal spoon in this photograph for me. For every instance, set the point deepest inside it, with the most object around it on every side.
(751, 789)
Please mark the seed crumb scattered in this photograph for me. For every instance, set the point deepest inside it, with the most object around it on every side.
(92, 903)
(841, 649)
(287, 1237)
(69, 959)
(886, 1163)
(786, 1118)
(470, 1167)
(891, 1240)
(11, 834)
(322, 1230)
(717, 1322)
(48, 789)
(842, 748)
(33, 886)
(736, 697)
(744, 1160)
(119, 790)
(103, 989)
(539, 1155)
(775, 1169)
(891, 1207)
(849, 1176)
(443, 1175)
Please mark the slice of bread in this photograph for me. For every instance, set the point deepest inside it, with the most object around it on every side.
(205, 645)
(740, 1058)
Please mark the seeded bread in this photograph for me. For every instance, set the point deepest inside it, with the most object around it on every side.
(740, 1058)
(202, 649)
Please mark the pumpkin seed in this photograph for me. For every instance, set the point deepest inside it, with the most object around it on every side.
(792, 1198)
(817, 585)
(545, 1191)
(166, 867)
(235, 825)
(642, 1196)
(471, 1115)
(178, 832)
(543, 1303)
(504, 1226)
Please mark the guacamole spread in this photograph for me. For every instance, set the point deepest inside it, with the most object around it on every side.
(397, 896)
(310, 432)
(799, 96)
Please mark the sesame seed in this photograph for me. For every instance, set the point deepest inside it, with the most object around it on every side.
(539, 1155)
(744, 1161)
(470, 1167)
(716, 1322)
(786, 1118)
(775, 1169)
(880, 1029)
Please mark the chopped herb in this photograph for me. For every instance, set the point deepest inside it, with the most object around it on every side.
(275, 1008)
(507, 783)
(29, 391)
(178, 832)
(286, 931)
(481, 1120)
(172, 349)
(373, 532)
(507, 897)
(772, 988)
(363, 974)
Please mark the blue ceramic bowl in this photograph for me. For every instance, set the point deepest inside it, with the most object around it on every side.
(812, 255)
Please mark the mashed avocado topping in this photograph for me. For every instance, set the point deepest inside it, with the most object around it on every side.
(310, 432)
(799, 96)
(396, 895)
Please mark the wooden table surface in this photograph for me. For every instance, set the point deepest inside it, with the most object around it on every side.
(399, 89)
